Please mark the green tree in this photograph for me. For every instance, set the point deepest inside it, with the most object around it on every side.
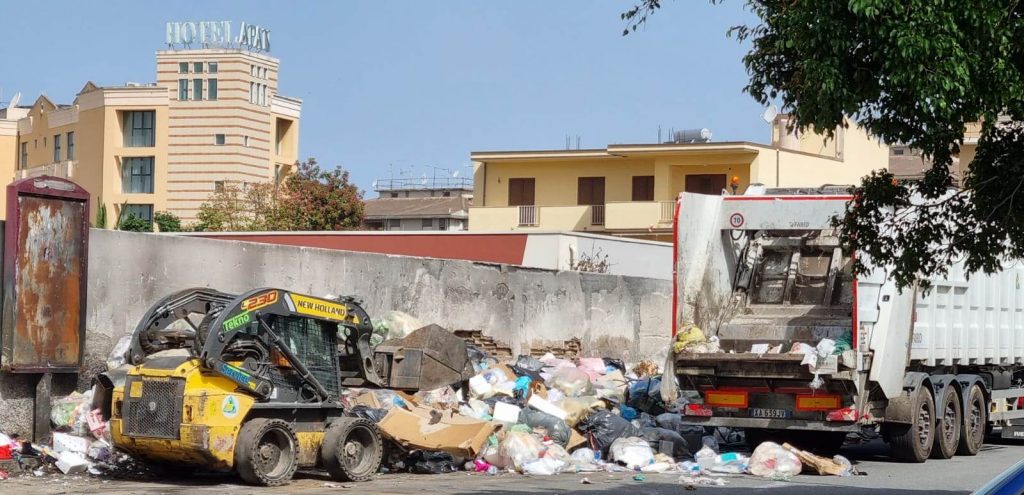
(132, 223)
(167, 221)
(914, 72)
(310, 198)
(101, 215)
(319, 199)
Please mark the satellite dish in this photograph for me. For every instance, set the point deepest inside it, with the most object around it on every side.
(14, 101)
(769, 114)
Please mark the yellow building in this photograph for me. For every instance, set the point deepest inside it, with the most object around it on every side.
(213, 118)
(629, 189)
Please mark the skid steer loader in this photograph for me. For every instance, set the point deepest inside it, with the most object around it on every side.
(251, 383)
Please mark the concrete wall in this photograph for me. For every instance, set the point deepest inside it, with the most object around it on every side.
(614, 316)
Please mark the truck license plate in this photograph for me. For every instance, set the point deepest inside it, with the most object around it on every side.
(756, 412)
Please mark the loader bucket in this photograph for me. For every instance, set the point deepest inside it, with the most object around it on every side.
(426, 359)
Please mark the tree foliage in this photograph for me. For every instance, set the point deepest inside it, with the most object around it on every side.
(101, 215)
(167, 221)
(310, 198)
(913, 72)
(132, 223)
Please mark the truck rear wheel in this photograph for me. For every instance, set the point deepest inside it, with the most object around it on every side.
(975, 422)
(913, 442)
(352, 449)
(266, 451)
(948, 427)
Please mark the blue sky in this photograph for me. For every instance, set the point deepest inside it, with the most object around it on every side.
(392, 86)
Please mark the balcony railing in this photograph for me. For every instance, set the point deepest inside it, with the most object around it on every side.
(63, 169)
(668, 210)
(528, 216)
(597, 215)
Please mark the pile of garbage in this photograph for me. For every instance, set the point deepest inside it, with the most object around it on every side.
(549, 415)
(80, 444)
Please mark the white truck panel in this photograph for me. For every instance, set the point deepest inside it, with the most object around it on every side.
(976, 320)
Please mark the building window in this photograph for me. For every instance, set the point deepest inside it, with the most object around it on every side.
(427, 223)
(446, 194)
(71, 145)
(897, 151)
(643, 188)
(252, 70)
(24, 155)
(245, 141)
(211, 89)
(521, 192)
(263, 74)
(590, 191)
(712, 184)
(394, 195)
(138, 129)
(144, 212)
(394, 224)
(182, 67)
(442, 224)
(197, 89)
(252, 92)
(263, 93)
(218, 139)
(56, 148)
(44, 142)
(137, 175)
(182, 89)
(218, 186)
(212, 66)
(374, 225)
(197, 67)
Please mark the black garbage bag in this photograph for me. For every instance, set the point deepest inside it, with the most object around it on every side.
(655, 436)
(615, 363)
(693, 434)
(645, 420)
(603, 427)
(556, 429)
(371, 413)
(424, 462)
(529, 363)
(645, 395)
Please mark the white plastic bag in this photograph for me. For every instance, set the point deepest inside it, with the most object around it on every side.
(770, 460)
(520, 448)
(572, 382)
(634, 452)
(730, 463)
(545, 466)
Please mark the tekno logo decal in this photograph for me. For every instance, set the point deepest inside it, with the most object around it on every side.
(230, 406)
(736, 220)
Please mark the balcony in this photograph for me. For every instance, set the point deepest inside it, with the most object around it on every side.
(64, 169)
(570, 218)
(639, 215)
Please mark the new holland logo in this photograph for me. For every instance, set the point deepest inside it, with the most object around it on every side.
(319, 308)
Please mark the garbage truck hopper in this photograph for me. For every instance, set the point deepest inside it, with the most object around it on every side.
(791, 342)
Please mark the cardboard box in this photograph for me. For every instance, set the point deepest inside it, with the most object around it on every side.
(432, 429)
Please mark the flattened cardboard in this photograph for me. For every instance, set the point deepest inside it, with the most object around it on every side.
(432, 429)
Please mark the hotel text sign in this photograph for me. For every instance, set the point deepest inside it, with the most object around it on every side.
(218, 34)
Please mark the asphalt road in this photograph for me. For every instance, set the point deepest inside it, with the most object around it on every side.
(954, 476)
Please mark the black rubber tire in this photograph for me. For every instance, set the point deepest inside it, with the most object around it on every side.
(975, 414)
(948, 425)
(914, 442)
(266, 452)
(352, 449)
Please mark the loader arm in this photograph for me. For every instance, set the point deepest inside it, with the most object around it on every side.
(177, 306)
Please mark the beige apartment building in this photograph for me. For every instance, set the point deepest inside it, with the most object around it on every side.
(630, 189)
(212, 118)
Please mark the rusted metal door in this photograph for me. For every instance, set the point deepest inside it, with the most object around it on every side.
(45, 276)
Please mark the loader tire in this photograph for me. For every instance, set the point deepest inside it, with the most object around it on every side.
(914, 442)
(266, 452)
(975, 422)
(352, 449)
(948, 426)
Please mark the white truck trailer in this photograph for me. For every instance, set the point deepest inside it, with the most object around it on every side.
(763, 273)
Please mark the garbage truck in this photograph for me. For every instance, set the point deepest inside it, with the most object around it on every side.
(775, 335)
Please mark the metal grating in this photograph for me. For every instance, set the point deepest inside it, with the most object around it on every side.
(314, 342)
(157, 414)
